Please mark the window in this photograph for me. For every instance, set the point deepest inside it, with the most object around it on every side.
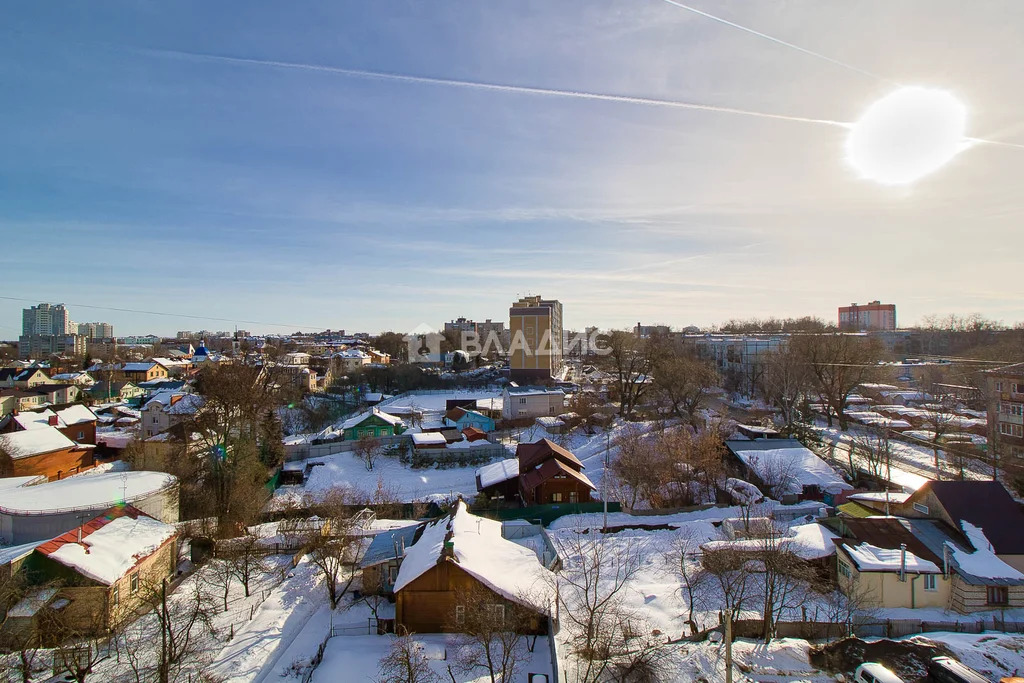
(930, 582)
(923, 509)
(556, 497)
(392, 574)
(999, 386)
(497, 613)
(522, 400)
(573, 496)
(115, 597)
(460, 614)
(135, 582)
(1007, 429)
(81, 435)
(1017, 388)
(844, 569)
(998, 595)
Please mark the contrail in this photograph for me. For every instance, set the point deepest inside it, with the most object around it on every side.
(791, 46)
(496, 87)
(998, 143)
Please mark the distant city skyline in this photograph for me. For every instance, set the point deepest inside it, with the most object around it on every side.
(382, 165)
(170, 330)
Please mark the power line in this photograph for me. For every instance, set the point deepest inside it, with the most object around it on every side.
(175, 315)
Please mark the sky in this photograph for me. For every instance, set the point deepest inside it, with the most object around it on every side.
(223, 160)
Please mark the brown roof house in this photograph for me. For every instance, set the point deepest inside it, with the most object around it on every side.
(984, 504)
(461, 555)
(100, 573)
(549, 473)
(43, 451)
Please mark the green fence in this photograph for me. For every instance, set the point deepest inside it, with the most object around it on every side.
(549, 513)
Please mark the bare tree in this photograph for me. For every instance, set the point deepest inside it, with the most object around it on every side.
(629, 359)
(246, 560)
(492, 634)
(777, 474)
(786, 382)
(336, 549)
(405, 662)
(851, 599)
(683, 381)
(876, 449)
(591, 594)
(730, 572)
(838, 363)
(221, 576)
(783, 579)
(368, 449)
(940, 420)
(635, 465)
(694, 579)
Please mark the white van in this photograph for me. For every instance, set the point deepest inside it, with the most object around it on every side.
(873, 672)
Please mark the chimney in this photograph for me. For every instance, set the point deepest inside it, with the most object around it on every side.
(52, 420)
(175, 398)
(903, 561)
(79, 533)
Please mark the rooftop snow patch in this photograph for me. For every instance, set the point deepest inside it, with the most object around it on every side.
(428, 438)
(108, 552)
(34, 442)
(497, 472)
(84, 492)
(983, 562)
(871, 558)
(793, 468)
(479, 549)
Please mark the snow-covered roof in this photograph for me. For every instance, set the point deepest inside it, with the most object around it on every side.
(34, 442)
(793, 468)
(894, 497)
(357, 419)
(743, 492)
(983, 562)
(138, 367)
(109, 547)
(497, 472)
(34, 420)
(428, 438)
(76, 414)
(533, 391)
(86, 491)
(807, 541)
(478, 548)
(549, 421)
(871, 558)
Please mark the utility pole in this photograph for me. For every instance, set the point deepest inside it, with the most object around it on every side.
(728, 646)
(604, 478)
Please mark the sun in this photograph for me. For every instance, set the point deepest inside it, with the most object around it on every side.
(907, 134)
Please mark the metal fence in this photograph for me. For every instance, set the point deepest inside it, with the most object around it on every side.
(877, 628)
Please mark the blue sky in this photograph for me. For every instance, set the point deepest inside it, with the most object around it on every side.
(139, 171)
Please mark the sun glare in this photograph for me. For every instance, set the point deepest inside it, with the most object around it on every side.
(907, 135)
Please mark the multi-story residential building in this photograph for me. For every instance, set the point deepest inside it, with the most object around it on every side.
(646, 331)
(739, 359)
(43, 345)
(460, 325)
(871, 316)
(96, 330)
(494, 338)
(535, 326)
(46, 330)
(1006, 410)
(529, 402)
(45, 319)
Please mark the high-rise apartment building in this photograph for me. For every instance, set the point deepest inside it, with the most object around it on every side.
(45, 319)
(871, 316)
(96, 330)
(535, 325)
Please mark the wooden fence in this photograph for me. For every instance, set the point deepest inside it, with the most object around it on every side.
(879, 628)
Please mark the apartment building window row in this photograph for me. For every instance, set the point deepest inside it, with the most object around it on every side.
(1008, 429)
(1014, 409)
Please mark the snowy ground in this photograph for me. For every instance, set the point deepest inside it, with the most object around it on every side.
(344, 469)
(355, 659)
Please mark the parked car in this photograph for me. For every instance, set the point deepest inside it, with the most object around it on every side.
(949, 670)
(873, 672)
